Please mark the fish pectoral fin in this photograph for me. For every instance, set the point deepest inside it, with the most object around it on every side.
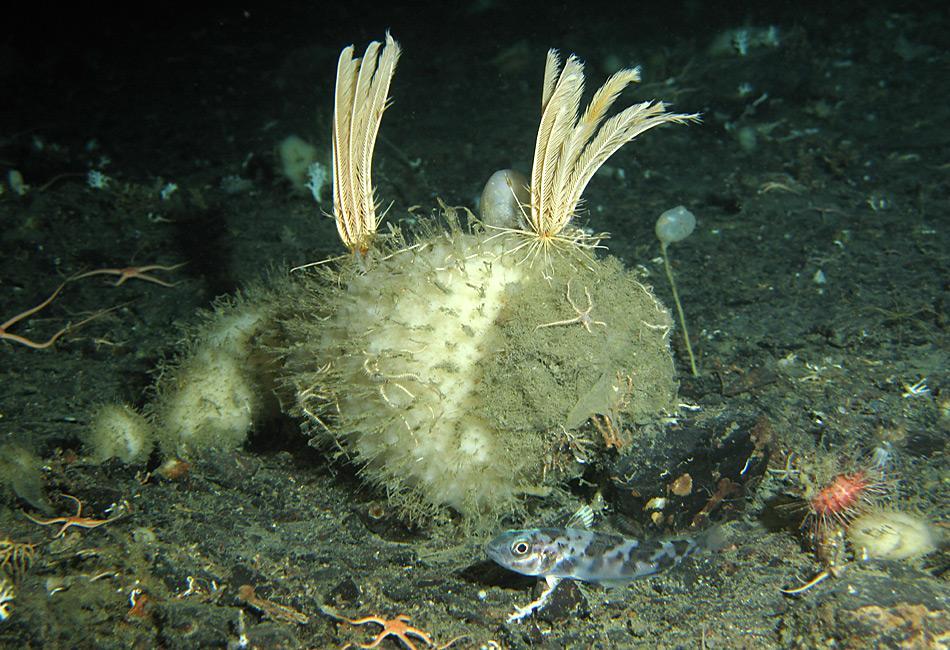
(616, 583)
(521, 612)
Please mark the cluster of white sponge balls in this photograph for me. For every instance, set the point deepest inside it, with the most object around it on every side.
(211, 399)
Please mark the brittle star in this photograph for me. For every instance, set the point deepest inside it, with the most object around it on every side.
(75, 520)
(5, 335)
(134, 272)
(583, 315)
(398, 627)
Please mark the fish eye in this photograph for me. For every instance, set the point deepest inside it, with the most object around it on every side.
(519, 547)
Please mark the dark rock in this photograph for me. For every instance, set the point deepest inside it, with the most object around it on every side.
(195, 625)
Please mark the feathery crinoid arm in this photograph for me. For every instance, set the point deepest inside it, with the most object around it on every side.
(361, 97)
(616, 132)
(346, 70)
(570, 147)
(560, 103)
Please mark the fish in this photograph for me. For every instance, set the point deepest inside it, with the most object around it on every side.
(573, 553)
(588, 556)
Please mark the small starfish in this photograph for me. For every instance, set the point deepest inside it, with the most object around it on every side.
(75, 520)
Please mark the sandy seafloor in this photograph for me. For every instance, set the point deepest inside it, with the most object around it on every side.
(816, 287)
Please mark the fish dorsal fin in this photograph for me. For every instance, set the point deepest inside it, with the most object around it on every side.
(583, 518)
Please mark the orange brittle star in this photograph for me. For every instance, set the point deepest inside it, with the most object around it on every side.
(398, 627)
(75, 520)
(137, 272)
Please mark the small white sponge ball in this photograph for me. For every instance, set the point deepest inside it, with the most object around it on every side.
(891, 535)
(215, 403)
(119, 431)
(221, 387)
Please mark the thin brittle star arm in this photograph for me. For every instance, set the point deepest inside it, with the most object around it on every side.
(4, 334)
(29, 312)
